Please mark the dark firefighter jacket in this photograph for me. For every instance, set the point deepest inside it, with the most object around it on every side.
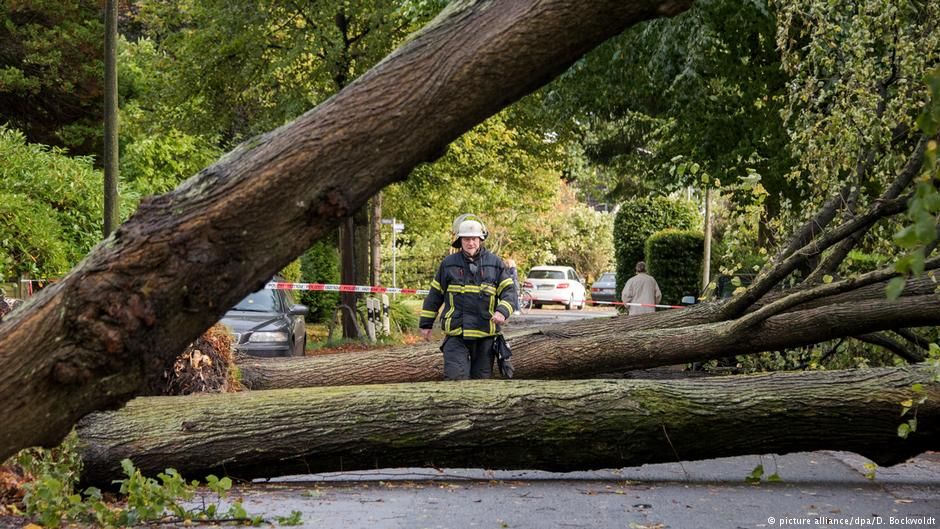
(469, 299)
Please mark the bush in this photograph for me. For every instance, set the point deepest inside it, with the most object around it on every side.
(639, 218)
(320, 264)
(674, 258)
(50, 207)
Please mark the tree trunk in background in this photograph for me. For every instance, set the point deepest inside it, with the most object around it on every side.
(107, 331)
(548, 425)
(347, 276)
(363, 252)
(375, 239)
(112, 215)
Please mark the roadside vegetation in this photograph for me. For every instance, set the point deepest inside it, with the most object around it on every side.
(779, 110)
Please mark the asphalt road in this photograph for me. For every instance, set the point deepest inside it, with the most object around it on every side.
(552, 314)
(819, 489)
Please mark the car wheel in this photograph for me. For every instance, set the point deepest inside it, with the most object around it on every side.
(303, 348)
(581, 306)
(570, 303)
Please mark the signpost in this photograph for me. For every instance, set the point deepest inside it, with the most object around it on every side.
(397, 227)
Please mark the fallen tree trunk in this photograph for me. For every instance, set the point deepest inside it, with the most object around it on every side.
(108, 330)
(608, 345)
(559, 426)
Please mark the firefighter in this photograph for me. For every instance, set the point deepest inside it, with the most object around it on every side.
(477, 291)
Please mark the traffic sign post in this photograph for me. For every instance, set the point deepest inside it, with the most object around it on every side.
(397, 227)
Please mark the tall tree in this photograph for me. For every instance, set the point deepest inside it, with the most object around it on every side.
(51, 72)
(107, 330)
(290, 55)
(689, 101)
(111, 214)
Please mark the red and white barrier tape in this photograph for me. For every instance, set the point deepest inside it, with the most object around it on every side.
(280, 285)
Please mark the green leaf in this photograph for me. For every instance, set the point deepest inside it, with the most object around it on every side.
(904, 430)
(827, 279)
(895, 287)
(774, 478)
(755, 475)
(907, 237)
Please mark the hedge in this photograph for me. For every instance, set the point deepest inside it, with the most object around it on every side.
(320, 264)
(674, 258)
(639, 218)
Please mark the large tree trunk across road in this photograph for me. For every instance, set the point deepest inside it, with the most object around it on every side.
(619, 343)
(550, 425)
(106, 331)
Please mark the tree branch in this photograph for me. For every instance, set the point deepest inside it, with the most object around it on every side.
(830, 289)
(913, 337)
(903, 180)
(815, 225)
(880, 209)
(882, 340)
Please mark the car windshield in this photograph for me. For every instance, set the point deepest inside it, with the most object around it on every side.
(607, 278)
(546, 274)
(261, 301)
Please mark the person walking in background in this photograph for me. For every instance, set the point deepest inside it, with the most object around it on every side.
(514, 274)
(641, 288)
(477, 293)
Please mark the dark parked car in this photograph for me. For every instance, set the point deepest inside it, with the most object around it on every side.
(605, 288)
(268, 323)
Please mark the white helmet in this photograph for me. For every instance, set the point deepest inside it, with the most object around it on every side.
(468, 228)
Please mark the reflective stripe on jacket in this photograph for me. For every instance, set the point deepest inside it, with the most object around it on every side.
(469, 299)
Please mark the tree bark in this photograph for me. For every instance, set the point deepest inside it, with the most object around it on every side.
(106, 331)
(618, 343)
(549, 425)
(375, 241)
(112, 215)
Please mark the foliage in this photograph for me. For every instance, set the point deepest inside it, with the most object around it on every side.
(705, 86)
(858, 262)
(320, 264)
(50, 207)
(292, 273)
(918, 396)
(51, 65)
(639, 218)
(51, 495)
(501, 170)
(583, 239)
(924, 208)
(854, 93)
(674, 258)
(235, 70)
(402, 315)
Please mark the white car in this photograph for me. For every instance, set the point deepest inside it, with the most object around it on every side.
(556, 284)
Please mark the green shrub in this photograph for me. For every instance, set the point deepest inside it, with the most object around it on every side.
(639, 218)
(402, 314)
(320, 264)
(50, 207)
(52, 496)
(292, 273)
(674, 258)
(858, 262)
